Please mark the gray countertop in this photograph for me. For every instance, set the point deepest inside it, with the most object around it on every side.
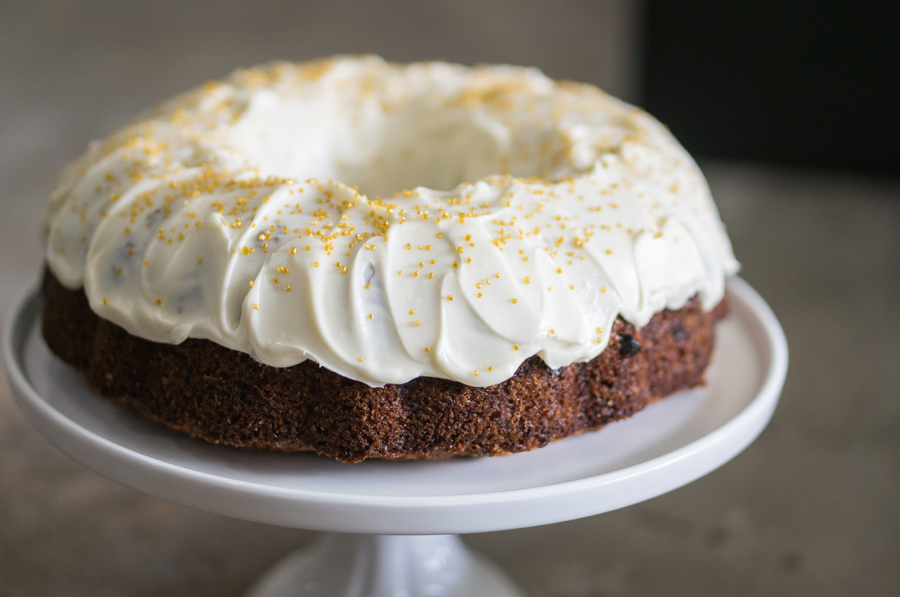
(810, 509)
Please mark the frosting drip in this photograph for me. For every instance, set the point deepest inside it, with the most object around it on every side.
(389, 221)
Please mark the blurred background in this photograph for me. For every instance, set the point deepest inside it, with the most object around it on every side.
(790, 108)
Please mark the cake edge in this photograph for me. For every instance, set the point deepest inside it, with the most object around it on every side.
(225, 397)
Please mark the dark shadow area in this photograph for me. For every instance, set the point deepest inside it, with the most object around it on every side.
(799, 83)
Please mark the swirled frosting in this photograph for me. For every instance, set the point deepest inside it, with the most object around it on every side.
(389, 221)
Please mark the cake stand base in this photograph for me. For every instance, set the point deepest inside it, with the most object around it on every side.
(400, 511)
(341, 565)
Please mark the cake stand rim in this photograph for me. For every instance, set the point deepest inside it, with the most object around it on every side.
(741, 429)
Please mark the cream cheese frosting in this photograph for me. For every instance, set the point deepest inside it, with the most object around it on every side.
(389, 221)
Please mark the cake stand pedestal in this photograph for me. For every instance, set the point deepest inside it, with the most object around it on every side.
(384, 565)
(390, 525)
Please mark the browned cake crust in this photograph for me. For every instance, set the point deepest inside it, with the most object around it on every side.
(225, 397)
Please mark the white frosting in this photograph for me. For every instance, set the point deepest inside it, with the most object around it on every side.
(498, 215)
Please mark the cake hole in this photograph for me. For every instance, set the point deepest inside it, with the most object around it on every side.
(423, 142)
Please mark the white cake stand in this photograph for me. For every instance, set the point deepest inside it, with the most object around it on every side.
(400, 513)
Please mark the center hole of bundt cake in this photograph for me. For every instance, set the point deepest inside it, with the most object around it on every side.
(421, 152)
(382, 152)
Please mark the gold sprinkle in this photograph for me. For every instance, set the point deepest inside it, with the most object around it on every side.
(370, 316)
(475, 373)
(418, 323)
(527, 280)
(449, 297)
(200, 260)
(412, 312)
(515, 347)
(293, 250)
(431, 275)
(251, 283)
(246, 250)
(368, 286)
(277, 280)
(256, 306)
(105, 301)
(283, 270)
(459, 249)
(360, 359)
(159, 302)
(315, 264)
(514, 301)
(287, 287)
(426, 349)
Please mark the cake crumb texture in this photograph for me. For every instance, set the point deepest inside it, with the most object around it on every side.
(225, 397)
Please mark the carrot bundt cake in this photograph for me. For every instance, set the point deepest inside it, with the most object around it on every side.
(367, 259)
